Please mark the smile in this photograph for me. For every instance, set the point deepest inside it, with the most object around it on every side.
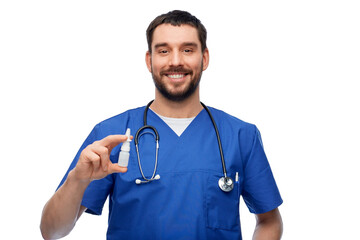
(176, 76)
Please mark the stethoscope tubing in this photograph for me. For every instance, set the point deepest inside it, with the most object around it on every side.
(218, 139)
(156, 156)
(225, 183)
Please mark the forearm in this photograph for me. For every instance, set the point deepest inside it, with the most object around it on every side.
(61, 211)
(269, 226)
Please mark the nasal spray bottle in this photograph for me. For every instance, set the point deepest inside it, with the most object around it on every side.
(125, 151)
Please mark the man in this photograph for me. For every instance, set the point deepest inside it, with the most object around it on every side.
(186, 203)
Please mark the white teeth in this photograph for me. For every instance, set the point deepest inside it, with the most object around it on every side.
(176, 76)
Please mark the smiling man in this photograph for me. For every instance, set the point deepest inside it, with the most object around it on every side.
(177, 63)
(207, 159)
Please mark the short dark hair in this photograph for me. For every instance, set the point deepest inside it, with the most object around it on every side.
(177, 18)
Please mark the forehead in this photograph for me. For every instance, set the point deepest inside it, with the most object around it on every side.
(167, 33)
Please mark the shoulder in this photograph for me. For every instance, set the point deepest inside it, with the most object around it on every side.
(118, 123)
(123, 116)
(228, 125)
(225, 119)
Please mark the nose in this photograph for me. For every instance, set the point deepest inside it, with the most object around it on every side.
(176, 59)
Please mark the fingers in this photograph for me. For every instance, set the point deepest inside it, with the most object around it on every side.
(90, 156)
(99, 157)
(103, 154)
(104, 146)
(95, 163)
(112, 140)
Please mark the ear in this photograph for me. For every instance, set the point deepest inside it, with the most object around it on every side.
(205, 58)
(148, 60)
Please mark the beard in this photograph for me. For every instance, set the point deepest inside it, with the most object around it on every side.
(177, 96)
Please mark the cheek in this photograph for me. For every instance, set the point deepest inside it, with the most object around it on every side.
(195, 63)
(197, 66)
(156, 70)
(157, 66)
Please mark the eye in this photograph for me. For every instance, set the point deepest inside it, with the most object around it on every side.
(163, 51)
(188, 50)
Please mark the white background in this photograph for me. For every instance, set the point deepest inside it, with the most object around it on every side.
(290, 67)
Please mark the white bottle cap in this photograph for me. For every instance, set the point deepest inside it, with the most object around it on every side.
(126, 145)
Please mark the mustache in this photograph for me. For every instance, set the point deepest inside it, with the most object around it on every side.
(176, 70)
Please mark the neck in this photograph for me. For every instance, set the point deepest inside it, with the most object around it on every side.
(187, 108)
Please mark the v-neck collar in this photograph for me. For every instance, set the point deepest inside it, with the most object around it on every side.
(166, 127)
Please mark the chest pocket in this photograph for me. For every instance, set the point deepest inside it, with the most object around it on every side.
(221, 208)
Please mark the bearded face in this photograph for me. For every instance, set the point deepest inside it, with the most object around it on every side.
(176, 61)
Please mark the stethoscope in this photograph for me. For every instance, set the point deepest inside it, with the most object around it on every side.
(225, 183)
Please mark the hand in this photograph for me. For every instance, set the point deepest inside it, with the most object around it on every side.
(94, 162)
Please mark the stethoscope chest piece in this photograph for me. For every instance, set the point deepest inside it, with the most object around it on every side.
(226, 184)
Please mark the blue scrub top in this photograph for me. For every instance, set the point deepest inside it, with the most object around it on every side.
(186, 203)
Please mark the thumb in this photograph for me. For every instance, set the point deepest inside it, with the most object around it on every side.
(115, 168)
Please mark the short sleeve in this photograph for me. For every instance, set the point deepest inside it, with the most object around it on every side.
(260, 191)
(98, 190)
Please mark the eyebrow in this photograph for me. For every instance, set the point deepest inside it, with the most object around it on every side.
(190, 44)
(158, 45)
(186, 44)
